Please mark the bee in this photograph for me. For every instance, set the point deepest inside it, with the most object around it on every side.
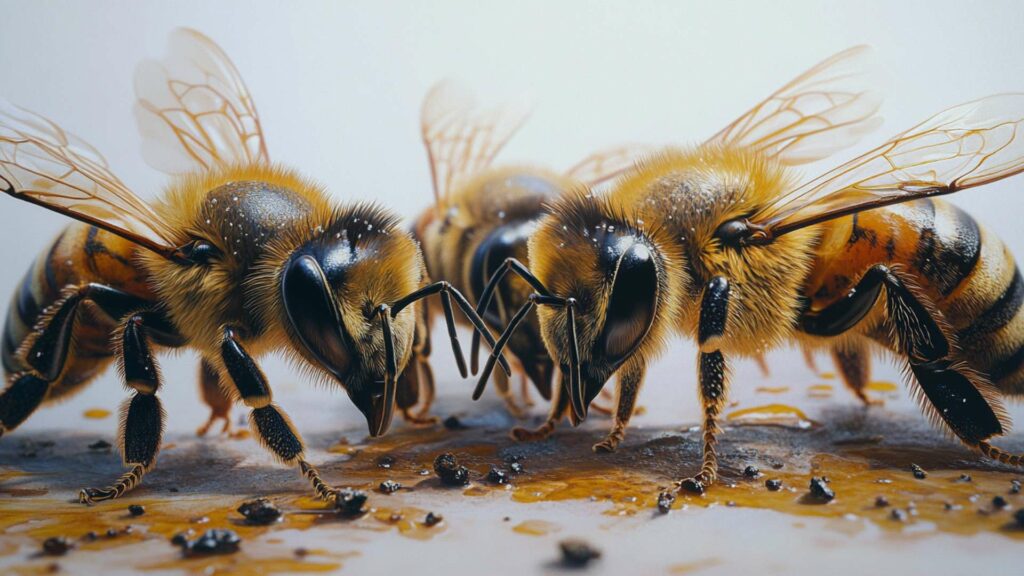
(722, 244)
(627, 254)
(483, 214)
(239, 258)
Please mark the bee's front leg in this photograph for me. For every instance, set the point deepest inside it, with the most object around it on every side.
(713, 378)
(142, 422)
(630, 378)
(274, 429)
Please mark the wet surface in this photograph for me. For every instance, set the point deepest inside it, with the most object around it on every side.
(792, 427)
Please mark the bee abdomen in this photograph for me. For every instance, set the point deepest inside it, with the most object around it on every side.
(35, 292)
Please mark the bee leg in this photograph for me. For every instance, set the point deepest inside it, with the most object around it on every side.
(524, 390)
(142, 420)
(713, 378)
(272, 426)
(503, 386)
(853, 361)
(46, 350)
(408, 393)
(960, 397)
(559, 404)
(762, 365)
(214, 397)
(809, 360)
(628, 385)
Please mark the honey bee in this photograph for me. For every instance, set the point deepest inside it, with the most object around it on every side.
(821, 111)
(483, 214)
(239, 258)
(720, 243)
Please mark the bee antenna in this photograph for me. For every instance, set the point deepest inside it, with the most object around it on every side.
(448, 293)
(535, 299)
(513, 265)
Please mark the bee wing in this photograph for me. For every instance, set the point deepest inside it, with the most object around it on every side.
(604, 165)
(965, 146)
(825, 109)
(461, 139)
(194, 110)
(42, 164)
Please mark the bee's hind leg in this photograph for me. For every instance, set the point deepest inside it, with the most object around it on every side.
(142, 422)
(964, 400)
(217, 399)
(853, 362)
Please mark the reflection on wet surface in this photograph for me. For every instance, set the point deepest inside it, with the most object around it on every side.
(865, 455)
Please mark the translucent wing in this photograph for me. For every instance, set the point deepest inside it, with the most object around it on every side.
(462, 139)
(966, 146)
(825, 109)
(42, 164)
(193, 109)
(604, 165)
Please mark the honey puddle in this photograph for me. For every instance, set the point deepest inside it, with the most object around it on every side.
(772, 415)
(780, 439)
(96, 413)
(771, 389)
(881, 386)
(536, 528)
(820, 391)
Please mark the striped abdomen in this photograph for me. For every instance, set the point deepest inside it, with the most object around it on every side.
(80, 254)
(964, 268)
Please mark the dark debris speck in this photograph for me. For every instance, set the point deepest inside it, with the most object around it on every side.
(1000, 503)
(56, 546)
(260, 512)
(389, 487)
(665, 501)
(773, 484)
(577, 553)
(752, 471)
(213, 541)
(100, 446)
(964, 478)
(898, 514)
(497, 476)
(881, 502)
(432, 519)
(516, 467)
(350, 502)
(693, 486)
(1014, 486)
(820, 489)
(1018, 517)
(447, 468)
(454, 423)
(136, 510)
(918, 472)
(386, 462)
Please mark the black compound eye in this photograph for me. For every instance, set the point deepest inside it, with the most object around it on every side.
(199, 252)
(631, 309)
(732, 232)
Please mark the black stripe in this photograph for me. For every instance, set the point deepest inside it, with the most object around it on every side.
(965, 251)
(10, 340)
(51, 275)
(1007, 366)
(947, 259)
(28, 308)
(1000, 313)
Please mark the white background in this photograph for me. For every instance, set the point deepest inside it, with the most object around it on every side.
(338, 86)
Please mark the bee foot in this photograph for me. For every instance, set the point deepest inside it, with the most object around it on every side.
(527, 435)
(608, 445)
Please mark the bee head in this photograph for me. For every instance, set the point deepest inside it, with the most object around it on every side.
(612, 275)
(335, 290)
